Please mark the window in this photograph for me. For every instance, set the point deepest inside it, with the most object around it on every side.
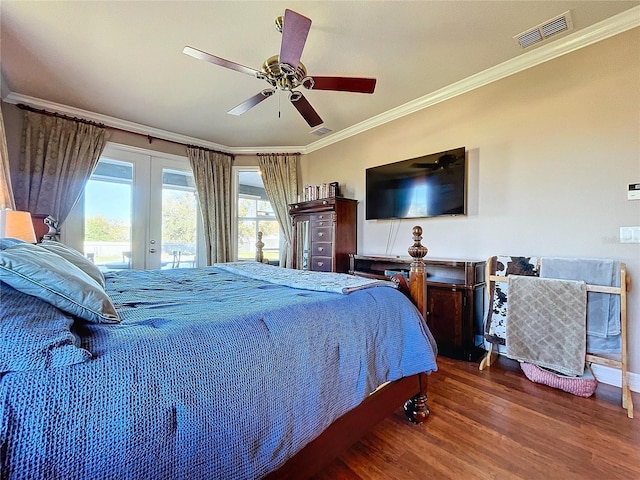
(179, 219)
(108, 214)
(139, 210)
(254, 214)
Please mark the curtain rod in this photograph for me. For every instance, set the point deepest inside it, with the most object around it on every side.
(22, 106)
(150, 138)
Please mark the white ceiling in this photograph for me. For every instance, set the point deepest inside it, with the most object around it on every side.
(121, 62)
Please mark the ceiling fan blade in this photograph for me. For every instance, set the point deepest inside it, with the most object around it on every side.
(251, 102)
(306, 110)
(342, 84)
(294, 35)
(200, 55)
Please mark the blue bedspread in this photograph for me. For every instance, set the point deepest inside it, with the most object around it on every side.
(209, 376)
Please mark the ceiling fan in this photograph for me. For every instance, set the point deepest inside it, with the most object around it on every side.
(285, 71)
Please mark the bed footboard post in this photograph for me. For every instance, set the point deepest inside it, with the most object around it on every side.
(416, 408)
(259, 247)
(417, 273)
(260, 258)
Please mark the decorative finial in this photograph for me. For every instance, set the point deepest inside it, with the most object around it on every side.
(417, 250)
(259, 247)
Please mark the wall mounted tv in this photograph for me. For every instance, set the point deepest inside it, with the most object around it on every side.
(429, 186)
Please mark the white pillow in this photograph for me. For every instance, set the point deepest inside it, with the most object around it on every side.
(75, 257)
(36, 271)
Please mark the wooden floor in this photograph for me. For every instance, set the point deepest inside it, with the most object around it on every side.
(496, 424)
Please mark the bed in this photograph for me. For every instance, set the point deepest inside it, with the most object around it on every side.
(220, 372)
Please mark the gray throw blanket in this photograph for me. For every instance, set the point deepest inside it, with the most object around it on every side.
(603, 309)
(546, 323)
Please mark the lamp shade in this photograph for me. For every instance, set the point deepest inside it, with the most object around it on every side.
(15, 224)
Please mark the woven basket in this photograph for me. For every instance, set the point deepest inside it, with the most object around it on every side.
(583, 386)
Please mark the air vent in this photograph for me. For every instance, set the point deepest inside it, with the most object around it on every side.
(559, 24)
(321, 131)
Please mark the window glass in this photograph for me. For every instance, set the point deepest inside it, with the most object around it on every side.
(254, 214)
(179, 220)
(107, 226)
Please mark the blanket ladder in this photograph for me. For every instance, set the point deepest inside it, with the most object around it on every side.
(621, 364)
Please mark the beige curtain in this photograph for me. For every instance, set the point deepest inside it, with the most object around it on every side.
(6, 193)
(212, 174)
(56, 160)
(280, 178)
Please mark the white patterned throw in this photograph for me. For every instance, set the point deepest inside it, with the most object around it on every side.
(303, 279)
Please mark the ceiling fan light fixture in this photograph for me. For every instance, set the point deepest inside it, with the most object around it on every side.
(282, 75)
(279, 21)
(308, 83)
(287, 69)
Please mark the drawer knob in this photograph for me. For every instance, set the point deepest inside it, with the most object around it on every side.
(320, 264)
(321, 249)
(320, 234)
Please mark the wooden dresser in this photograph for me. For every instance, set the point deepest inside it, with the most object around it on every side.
(324, 233)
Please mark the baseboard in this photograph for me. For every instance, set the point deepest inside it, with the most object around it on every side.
(608, 375)
(613, 376)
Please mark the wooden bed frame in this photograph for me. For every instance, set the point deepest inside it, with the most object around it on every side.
(408, 391)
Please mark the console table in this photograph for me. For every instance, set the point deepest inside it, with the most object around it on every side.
(455, 299)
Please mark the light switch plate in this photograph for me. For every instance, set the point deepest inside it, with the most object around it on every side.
(629, 234)
(634, 191)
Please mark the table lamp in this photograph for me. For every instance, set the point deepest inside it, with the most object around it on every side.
(14, 224)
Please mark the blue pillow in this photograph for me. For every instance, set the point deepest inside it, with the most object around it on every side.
(75, 257)
(35, 335)
(9, 242)
(35, 271)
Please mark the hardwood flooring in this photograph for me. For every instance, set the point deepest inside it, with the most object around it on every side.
(496, 424)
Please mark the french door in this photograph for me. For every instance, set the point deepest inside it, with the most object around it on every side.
(139, 211)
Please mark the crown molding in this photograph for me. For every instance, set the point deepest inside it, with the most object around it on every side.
(600, 31)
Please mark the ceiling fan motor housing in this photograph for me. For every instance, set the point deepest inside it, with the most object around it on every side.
(273, 72)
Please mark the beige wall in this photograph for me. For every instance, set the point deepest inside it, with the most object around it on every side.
(551, 151)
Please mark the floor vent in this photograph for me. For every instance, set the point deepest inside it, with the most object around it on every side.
(561, 23)
(321, 131)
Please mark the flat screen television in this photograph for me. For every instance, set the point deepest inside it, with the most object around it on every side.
(429, 186)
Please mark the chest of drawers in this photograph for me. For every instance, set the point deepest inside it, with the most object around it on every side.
(324, 233)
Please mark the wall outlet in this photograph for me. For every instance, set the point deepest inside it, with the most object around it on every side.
(629, 234)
